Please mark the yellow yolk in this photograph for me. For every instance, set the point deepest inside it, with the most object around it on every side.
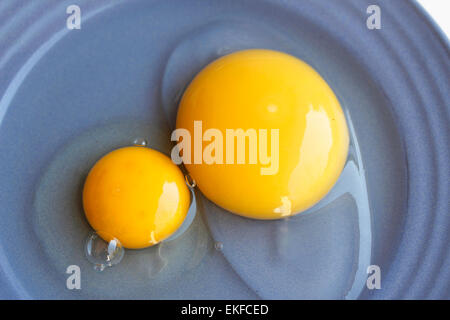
(263, 89)
(137, 195)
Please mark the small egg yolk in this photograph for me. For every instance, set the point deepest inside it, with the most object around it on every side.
(137, 195)
(263, 89)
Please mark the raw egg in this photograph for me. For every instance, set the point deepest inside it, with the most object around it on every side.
(262, 134)
(137, 195)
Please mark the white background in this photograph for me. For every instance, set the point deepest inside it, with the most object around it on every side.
(440, 11)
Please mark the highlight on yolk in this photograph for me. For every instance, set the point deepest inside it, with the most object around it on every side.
(137, 195)
(263, 89)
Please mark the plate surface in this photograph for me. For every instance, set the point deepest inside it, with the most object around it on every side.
(68, 96)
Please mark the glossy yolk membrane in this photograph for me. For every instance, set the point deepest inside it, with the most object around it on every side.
(263, 89)
(137, 195)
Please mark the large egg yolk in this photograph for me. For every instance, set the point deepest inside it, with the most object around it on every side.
(263, 89)
(137, 195)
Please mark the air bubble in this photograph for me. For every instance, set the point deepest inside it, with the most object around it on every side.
(224, 51)
(103, 253)
(141, 142)
(218, 246)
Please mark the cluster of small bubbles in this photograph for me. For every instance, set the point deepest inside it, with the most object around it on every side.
(141, 142)
(103, 253)
(189, 181)
(218, 246)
